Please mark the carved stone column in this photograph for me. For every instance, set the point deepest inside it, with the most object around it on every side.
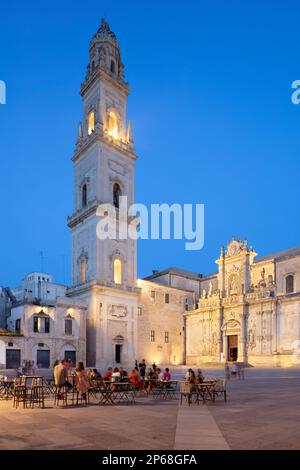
(219, 333)
(274, 330)
(243, 338)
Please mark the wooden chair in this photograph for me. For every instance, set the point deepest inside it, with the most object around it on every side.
(36, 395)
(20, 392)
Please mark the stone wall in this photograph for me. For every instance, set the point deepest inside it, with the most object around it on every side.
(166, 320)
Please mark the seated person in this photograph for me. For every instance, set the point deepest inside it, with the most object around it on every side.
(167, 375)
(200, 377)
(160, 375)
(95, 374)
(116, 375)
(190, 377)
(108, 374)
(135, 379)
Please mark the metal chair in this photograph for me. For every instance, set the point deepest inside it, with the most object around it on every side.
(186, 391)
(220, 388)
(61, 395)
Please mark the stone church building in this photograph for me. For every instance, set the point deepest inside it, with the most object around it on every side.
(247, 311)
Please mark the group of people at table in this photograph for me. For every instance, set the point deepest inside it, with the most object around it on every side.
(139, 377)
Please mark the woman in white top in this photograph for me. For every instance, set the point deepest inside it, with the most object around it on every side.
(116, 375)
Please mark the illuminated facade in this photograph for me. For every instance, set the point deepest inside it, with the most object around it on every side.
(249, 310)
(104, 271)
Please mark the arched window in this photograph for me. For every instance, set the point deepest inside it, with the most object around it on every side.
(289, 284)
(84, 195)
(113, 125)
(116, 195)
(112, 66)
(117, 271)
(83, 271)
(91, 122)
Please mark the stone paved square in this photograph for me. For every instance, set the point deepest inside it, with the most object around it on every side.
(262, 412)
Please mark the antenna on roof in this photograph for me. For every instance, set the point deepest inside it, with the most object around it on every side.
(42, 261)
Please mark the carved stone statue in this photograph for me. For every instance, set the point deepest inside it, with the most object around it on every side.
(233, 285)
(102, 58)
(210, 289)
(203, 294)
(80, 132)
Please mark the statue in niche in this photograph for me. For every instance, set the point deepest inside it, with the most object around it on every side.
(102, 58)
(252, 336)
(210, 289)
(233, 285)
(262, 282)
(80, 132)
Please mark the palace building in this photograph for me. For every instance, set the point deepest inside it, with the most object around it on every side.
(249, 310)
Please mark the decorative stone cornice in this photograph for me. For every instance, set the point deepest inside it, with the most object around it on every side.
(100, 74)
(102, 286)
(99, 136)
(80, 215)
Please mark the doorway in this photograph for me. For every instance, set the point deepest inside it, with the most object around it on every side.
(232, 348)
(13, 358)
(43, 358)
(118, 353)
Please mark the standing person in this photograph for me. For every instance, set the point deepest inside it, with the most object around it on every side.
(136, 366)
(81, 379)
(227, 371)
(154, 367)
(240, 370)
(234, 369)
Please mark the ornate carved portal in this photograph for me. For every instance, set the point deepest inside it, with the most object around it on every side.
(231, 333)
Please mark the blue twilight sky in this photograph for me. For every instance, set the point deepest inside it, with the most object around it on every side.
(212, 118)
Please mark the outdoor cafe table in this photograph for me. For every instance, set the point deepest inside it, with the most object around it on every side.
(205, 391)
(116, 392)
(165, 389)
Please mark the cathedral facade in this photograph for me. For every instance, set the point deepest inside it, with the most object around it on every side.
(247, 311)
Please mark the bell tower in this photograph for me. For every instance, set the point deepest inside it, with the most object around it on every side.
(104, 271)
